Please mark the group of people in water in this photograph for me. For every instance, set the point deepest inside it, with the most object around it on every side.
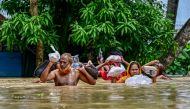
(65, 74)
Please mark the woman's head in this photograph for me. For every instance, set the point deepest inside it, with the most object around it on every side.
(134, 68)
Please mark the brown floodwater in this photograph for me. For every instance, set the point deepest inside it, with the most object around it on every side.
(21, 93)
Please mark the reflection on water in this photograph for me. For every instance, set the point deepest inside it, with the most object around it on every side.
(19, 93)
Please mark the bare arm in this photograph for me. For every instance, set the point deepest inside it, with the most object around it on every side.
(45, 74)
(153, 77)
(124, 61)
(101, 65)
(85, 76)
(151, 63)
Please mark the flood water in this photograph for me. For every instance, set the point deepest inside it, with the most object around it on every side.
(19, 93)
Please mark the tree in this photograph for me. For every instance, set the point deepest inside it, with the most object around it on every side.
(181, 38)
(23, 30)
(39, 48)
(177, 61)
(137, 27)
(1, 19)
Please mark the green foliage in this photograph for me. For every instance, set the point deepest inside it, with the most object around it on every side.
(181, 64)
(23, 30)
(138, 28)
(15, 6)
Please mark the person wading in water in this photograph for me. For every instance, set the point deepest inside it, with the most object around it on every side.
(64, 74)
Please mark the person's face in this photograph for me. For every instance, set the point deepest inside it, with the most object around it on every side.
(134, 70)
(64, 62)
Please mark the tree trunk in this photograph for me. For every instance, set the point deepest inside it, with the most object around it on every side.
(90, 51)
(34, 7)
(39, 48)
(182, 37)
(39, 53)
(172, 10)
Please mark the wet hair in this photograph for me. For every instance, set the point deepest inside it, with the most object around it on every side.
(161, 68)
(69, 56)
(131, 64)
(116, 52)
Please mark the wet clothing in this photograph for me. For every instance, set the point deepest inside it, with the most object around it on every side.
(103, 74)
(125, 75)
(104, 71)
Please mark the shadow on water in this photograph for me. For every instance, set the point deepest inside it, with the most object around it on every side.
(19, 93)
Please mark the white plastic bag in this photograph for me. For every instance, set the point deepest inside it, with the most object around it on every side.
(54, 57)
(115, 58)
(151, 70)
(138, 80)
(115, 71)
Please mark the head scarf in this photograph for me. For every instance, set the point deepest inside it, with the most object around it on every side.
(127, 73)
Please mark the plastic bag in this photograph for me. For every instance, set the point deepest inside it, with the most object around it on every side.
(54, 57)
(115, 71)
(76, 63)
(75, 59)
(138, 80)
(150, 70)
(92, 70)
(38, 71)
(115, 58)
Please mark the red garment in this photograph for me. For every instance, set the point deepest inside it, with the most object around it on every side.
(122, 75)
(104, 76)
(104, 71)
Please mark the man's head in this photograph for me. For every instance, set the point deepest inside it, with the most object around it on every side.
(65, 60)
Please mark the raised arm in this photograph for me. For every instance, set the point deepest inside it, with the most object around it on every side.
(45, 74)
(157, 71)
(85, 76)
(124, 61)
(151, 63)
(101, 65)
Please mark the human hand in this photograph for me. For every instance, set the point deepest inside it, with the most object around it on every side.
(89, 63)
(81, 69)
(122, 59)
(37, 81)
(106, 62)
